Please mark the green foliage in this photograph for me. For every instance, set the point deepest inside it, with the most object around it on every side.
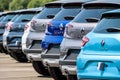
(21, 4)
(4, 4)
(37, 3)
(18, 4)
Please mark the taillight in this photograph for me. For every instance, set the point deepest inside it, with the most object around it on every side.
(33, 22)
(8, 27)
(26, 27)
(84, 41)
(49, 24)
(67, 30)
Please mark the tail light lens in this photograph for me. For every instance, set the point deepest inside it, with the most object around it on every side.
(26, 27)
(84, 41)
(8, 27)
(33, 23)
(50, 24)
(66, 32)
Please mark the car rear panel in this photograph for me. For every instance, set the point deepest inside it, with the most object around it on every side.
(90, 67)
(103, 44)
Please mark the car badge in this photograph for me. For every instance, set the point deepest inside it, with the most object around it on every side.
(61, 26)
(19, 26)
(102, 43)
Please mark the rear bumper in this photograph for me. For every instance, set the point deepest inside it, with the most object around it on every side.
(51, 62)
(15, 49)
(34, 57)
(68, 69)
(88, 67)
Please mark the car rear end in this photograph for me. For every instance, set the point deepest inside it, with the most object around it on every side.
(5, 19)
(101, 61)
(38, 27)
(82, 24)
(16, 31)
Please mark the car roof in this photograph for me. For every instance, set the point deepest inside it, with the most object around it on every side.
(68, 1)
(104, 1)
(111, 13)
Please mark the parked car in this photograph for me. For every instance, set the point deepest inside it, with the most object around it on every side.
(5, 18)
(16, 30)
(99, 57)
(83, 23)
(34, 33)
(54, 36)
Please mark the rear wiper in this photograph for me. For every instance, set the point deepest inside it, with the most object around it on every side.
(113, 29)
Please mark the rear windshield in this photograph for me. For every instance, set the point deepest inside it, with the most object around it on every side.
(67, 12)
(24, 16)
(108, 25)
(8, 17)
(15, 17)
(1, 18)
(89, 13)
(48, 11)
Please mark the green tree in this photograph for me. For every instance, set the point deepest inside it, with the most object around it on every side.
(18, 4)
(37, 3)
(4, 4)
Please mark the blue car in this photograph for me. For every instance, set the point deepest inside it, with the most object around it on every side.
(54, 36)
(100, 54)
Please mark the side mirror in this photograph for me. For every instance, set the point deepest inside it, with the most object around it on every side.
(92, 19)
(25, 20)
(50, 16)
(69, 17)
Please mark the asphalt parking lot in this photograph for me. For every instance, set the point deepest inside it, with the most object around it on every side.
(13, 70)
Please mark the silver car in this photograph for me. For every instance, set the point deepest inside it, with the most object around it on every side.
(33, 36)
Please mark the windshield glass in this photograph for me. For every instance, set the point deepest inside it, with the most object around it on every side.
(108, 23)
(1, 18)
(48, 11)
(67, 12)
(13, 19)
(8, 18)
(24, 16)
(89, 13)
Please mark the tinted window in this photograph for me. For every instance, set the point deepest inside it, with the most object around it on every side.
(89, 13)
(48, 11)
(8, 17)
(67, 12)
(108, 25)
(15, 17)
(24, 16)
(1, 18)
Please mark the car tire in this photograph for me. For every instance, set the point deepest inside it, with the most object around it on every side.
(20, 57)
(71, 77)
(56, 73)
(40, 68)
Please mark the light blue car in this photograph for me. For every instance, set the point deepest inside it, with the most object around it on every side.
(100, 54)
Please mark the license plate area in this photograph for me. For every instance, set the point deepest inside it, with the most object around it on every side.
(54, 49)
(36, 44)
(72, 54)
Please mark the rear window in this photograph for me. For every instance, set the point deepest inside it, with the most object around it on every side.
(15, 17)
(93, 11)
(67, 12)
(8, 17)
(1, 18)
(48, 11)
(108, 25)
(89, 13)
(24, 16)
